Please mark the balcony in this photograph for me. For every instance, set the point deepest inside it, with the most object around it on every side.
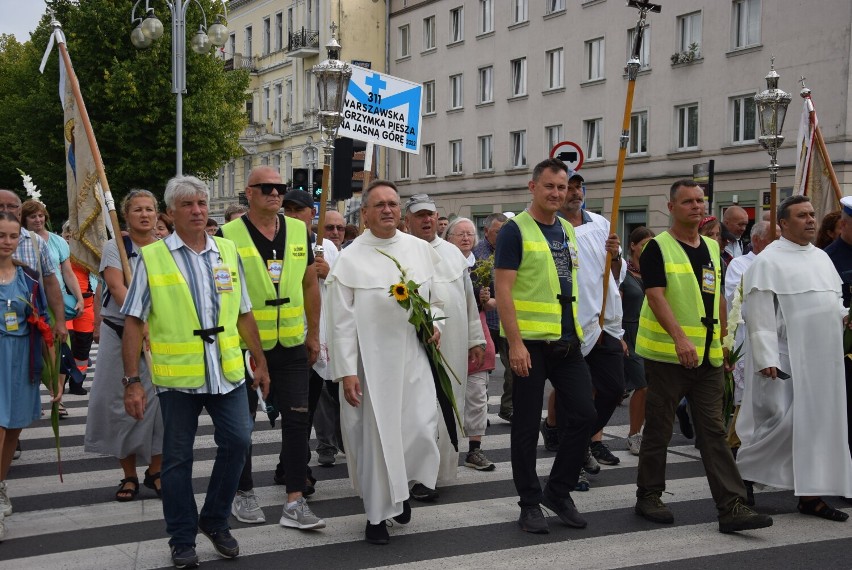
(241, 62)
(303, 43)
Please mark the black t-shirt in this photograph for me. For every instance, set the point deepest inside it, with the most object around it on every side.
(654, 274)
(510, 250)
(272, 249)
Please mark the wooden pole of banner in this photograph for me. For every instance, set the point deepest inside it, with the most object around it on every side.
(827, 160)
(96, 153)
(366, 179)
(632, 71)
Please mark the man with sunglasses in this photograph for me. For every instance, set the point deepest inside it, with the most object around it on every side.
(282, 284)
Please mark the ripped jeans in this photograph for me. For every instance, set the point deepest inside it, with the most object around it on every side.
(288, 373)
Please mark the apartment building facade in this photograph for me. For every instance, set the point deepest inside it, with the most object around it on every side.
(279, 42)
(505, 80)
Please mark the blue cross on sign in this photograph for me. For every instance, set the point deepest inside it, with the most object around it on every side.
(382, 109)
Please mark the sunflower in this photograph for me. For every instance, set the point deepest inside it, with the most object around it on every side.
(400, 291)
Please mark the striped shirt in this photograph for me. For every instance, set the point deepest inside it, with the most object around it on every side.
(197, 270)
(27, 254)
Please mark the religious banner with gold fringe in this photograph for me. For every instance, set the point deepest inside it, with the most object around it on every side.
(815, 177)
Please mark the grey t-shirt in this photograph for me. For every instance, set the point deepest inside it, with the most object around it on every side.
(110, 258)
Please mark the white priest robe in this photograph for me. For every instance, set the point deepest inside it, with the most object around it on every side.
(793, 431)
(390, 438)
(461, 331)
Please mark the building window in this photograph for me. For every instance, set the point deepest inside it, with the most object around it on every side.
(289, 102)
(518, 149)
(279, 108)
(595, 59)
(222, 187)
(247, 46)
(644, 49)
(404, 166)
(429, 159)
(429, 33)
(428, 97)
(555, 74)
(232, 177)
(594, 146)
(555, 6)
(455, 157)
(267, 115)
(267, 36)
(279, 31)
(457, 24)
(486, 84)
(689, 33)
(288, 166)
(638, 134)
(687, 127)
(264, 160)
(246, 170)
(552, 137)
(745, 23)
(486, 153)
(456, 92)
(276, 162)
(308, 101)
(404, 43)
(519, 77)
(486, 16)
(519, 11)
(232, 45)
(744, 119)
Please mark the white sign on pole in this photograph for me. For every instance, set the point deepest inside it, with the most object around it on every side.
(382, 109)
(568, 152)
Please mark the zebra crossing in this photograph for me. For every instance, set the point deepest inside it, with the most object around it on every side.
(77, 524)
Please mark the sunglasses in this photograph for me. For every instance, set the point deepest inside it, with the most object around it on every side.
(332, 227)
(267, 187)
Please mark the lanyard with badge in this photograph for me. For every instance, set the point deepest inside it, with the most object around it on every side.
(708, 279)
(222, 277)
(10, 317)
(275, 267)
(569, 245)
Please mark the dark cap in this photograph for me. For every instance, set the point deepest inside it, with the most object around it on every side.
(300, 197)
(574, 175)
(420, 202)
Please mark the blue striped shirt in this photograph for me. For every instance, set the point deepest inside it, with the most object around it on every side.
(26, 254)
(197, 270)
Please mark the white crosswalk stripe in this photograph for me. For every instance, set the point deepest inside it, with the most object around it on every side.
(77, 524)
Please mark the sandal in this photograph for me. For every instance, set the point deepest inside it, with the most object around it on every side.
(125, 494)
(821, 509)
(151, 480)
(60, 409)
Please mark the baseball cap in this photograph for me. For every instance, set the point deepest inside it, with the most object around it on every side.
(300, 197)
(419, 202)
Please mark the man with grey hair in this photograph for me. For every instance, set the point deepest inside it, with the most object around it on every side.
(734, 224)
(189, 288)
(234, 211)
(483, 251)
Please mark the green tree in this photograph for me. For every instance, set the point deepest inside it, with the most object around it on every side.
(128, 97)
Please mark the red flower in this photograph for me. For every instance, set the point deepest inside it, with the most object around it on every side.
(42, 327)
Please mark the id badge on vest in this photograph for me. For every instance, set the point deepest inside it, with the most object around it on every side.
(575, 256)
(708, 280)
(275, 267)
(11, 320)
(222, 279)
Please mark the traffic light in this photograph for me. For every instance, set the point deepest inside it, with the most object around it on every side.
(242, 199)
(300, 179)
(317, 178)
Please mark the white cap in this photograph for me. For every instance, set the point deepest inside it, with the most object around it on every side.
(509, 214)
(846, 202)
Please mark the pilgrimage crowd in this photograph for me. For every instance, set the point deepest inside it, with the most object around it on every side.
(383, 343)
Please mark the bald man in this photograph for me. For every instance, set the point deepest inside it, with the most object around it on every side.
(734, 224)
(32, 251)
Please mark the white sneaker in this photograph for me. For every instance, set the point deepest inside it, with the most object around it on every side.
(634, 442)
(300, 516)
(246, 509)
(5, 503)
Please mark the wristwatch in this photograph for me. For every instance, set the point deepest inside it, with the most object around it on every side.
(128, 380)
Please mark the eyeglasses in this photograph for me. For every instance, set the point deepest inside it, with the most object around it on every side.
(332, 227)
(463, 234)
(267, 187)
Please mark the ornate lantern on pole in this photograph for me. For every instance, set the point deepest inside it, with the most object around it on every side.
(149, 29)
(771, 106)
(332, 84)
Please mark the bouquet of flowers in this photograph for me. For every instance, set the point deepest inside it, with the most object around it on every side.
(483, 271)
(407, 295)
(735, 319)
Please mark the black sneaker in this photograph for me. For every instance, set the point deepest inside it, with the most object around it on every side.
(550, 435)
(651, 506)
(405, 516)
(225, 544)
(603, 454)
(377, 533)
(184, 556)
(564, 509)
(421, 492)
(742, 517)
(532, 520)
(77, 389)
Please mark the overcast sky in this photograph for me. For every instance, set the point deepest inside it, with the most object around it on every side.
(20, 17)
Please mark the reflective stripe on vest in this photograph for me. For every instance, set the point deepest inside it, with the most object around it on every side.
(537, 306)
(683, 294)
(177, 355)
(283, 323)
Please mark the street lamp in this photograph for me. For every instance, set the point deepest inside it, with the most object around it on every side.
(332, 84)
(771, 106)
(149, 29)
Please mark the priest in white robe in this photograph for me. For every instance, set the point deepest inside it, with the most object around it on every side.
(792, 421)
(462, 330)
(389, 418)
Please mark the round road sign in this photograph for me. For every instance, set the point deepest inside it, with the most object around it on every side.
(568, 152)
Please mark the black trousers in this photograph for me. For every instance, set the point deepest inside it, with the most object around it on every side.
(606, 365)
(562, 364)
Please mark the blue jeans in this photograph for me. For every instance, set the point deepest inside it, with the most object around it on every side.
(232, 434)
